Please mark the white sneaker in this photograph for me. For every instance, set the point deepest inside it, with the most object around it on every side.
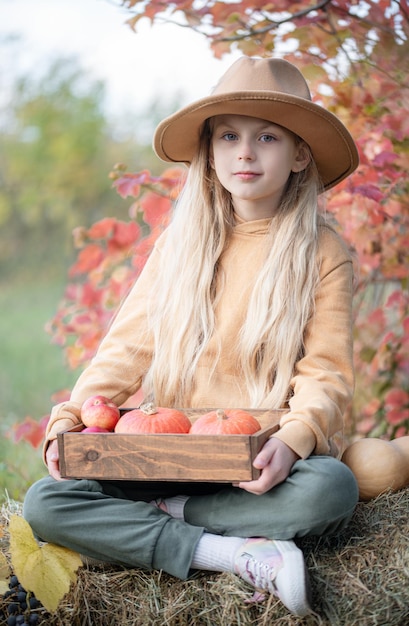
(277, 567)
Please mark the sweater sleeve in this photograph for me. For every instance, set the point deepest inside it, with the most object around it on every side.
(323, 381)
(122, 359)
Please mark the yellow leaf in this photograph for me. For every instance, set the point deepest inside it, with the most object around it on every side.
(4, 574)
(47, 571)
(4, 566)
(3, 587)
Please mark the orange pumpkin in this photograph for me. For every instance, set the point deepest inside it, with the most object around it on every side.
(149, 419)
(378, 465)
(225, 422)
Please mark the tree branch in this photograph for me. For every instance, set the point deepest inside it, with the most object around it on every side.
(276, 23)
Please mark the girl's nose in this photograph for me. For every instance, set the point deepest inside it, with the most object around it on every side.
(245, 152)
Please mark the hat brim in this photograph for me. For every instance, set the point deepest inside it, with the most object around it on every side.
(334, 151)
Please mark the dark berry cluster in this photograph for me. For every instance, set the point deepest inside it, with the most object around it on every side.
(19, 605)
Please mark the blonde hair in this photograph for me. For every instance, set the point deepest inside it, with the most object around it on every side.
(282, 299)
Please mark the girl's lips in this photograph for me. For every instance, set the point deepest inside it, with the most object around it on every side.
(246, 175)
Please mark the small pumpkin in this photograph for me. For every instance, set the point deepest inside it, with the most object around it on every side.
(225, 422)
(149, 419)
(378, 465)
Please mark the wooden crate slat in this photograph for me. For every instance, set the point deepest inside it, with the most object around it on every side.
(176, 457)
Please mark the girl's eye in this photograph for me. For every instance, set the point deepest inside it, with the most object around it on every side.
(267, 138)
(229, 136)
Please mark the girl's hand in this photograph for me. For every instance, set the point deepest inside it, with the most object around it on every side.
(53, 460)
(275, 461)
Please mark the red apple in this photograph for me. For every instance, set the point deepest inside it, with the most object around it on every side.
(100, 411)
(95, 429)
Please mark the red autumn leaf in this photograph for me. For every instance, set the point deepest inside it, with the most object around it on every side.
(88, 259)
(138, 262)
(71, 292)
(384, 158)
(396, 397)
(395, 299)
(370, 191)
(82, 321)
(125, 234)
(126, 186)
(397, 406)
(30, 430)
(102, 229)
(143, 249)
(90, 297)
(155, 209)
(130, 184)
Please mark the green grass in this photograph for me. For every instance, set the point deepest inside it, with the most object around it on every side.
(31, 370)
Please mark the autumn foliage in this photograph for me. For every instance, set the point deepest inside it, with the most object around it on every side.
(355, 56)
(45, 570)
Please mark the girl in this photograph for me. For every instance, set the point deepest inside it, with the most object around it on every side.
(244, 302)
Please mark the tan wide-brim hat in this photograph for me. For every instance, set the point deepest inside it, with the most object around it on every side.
(269, 89)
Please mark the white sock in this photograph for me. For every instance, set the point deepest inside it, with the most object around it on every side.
(216, 553)
(175, 506)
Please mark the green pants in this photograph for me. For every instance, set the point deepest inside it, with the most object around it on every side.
(113, 521)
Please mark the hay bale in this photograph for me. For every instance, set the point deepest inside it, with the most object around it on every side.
(359, 578)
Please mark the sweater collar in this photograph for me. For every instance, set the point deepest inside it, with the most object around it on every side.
(254, 227)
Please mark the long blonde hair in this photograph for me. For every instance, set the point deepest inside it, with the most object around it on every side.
(181, 313)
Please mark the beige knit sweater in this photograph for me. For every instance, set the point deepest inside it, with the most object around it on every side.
(323, 379)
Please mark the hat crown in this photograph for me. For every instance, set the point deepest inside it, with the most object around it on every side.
(272, 75)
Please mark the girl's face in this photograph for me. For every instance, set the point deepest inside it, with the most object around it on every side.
(253, 159)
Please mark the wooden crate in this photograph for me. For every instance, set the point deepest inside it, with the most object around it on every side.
(165, 457)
